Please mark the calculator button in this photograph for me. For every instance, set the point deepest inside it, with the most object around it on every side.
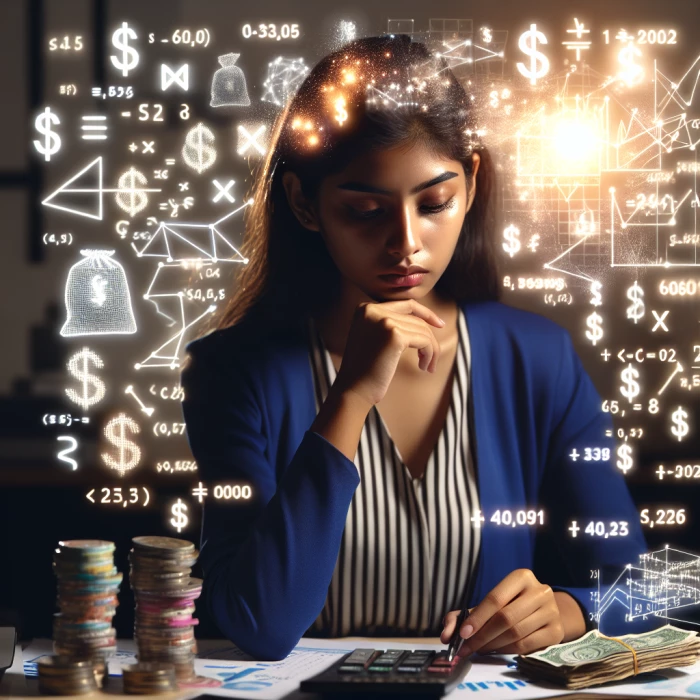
(439, 669)
(442, 659)
(409, 669)
(360, 657)
(379, 669)
(350, 669)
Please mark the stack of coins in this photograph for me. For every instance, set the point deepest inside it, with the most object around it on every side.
(88, 583)
(146, 678)
(63, 675)
(165, 594)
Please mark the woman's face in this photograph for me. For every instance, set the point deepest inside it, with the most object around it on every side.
(400, 207)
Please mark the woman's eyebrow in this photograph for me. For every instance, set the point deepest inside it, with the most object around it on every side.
(363, 187)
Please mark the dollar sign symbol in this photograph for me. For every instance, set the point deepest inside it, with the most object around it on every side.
(341, 114)
(512, 235)
(52, 142)
(629, 376)
(98, 285)
(632, 72)
(635, 294)
(130, 198)
(93, 387)
(533, 72)
(128, 452)
(596, 286)
(625, 463)
(179, 520)
(486, 35)
(198, 152)
(594, 322)
(130, 56)
(680, 424)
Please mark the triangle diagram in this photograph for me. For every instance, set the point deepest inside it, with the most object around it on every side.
(82, 194)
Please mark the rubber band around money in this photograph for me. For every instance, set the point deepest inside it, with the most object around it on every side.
(624, 644)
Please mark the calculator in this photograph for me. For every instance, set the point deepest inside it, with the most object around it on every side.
(369, 671)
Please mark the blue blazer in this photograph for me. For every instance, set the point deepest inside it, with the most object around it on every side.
(268, 560)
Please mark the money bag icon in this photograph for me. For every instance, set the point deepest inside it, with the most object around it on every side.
(97, 297)
(228, 86)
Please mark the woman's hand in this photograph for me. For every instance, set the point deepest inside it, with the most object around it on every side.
(379, 334)
(518, 616)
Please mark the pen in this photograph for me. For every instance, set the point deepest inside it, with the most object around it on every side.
(457, 641)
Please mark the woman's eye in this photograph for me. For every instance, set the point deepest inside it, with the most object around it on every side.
(437, 208)
(425, 209)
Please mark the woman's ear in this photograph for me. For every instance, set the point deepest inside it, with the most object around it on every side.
(298, 203)
(476, 159)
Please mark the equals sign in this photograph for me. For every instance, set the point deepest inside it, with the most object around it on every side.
(92, 126)
(163, 41)
(637, 407)
(163, 205)
(170, 161)
(608, 433)
(97, 92)
(651, 355)
(630, 202)
(126, 114)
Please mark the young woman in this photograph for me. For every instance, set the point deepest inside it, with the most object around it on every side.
(385, 408)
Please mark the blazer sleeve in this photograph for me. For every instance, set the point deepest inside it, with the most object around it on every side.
(267, 564)
(589, 490)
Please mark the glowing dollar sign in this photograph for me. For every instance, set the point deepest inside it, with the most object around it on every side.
(198, 152)
(130, 196)
(341, 114)
(625, 463)
(179, 520)
(635, 294)
(680, 424)
(629, 376)
(595, 332)
(597, 299)
(98, 284)
(128, 452)
(530, 49)
(52, 142)
(512, 236)
(130, 56)
(631, 72)
(93, 389)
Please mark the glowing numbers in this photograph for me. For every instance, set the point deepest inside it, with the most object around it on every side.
(72, 447)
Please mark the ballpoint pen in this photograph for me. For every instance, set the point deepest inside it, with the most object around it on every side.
(456, 641)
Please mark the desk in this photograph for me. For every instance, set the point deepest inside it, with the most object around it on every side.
(15, 685)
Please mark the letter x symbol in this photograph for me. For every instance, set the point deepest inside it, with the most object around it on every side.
(223, 191)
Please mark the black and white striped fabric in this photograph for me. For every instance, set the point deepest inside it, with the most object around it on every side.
(409, 547)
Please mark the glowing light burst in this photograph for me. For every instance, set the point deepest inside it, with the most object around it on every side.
(284, 76)
(575, 141)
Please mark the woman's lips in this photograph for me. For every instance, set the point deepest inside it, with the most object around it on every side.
(404, 280)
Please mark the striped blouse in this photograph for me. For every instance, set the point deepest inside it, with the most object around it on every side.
(409, 547)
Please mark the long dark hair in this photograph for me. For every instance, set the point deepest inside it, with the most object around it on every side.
(290, 272)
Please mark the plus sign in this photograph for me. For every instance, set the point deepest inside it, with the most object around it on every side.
(200, 492)
(661, 471)
(478, 519)
(605, 354)
(574, 528)
(133, 147)
(574, 454)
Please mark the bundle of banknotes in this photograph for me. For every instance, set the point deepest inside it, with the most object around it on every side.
(594, 658)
